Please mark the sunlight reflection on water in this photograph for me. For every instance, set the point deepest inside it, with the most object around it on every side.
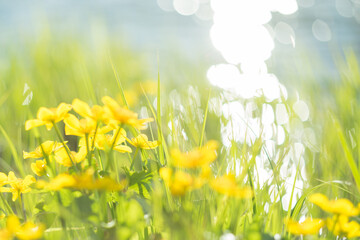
(242, 34)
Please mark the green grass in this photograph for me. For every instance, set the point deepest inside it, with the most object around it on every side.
(53, 71)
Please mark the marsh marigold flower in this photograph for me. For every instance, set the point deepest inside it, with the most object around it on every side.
(39, 167)
(48, 116)
(141, 141)
(46, 148)
(26, 231)
(106, 141)
(340, 225)
(84, 181)
(340, 206)
(3, 179)
(116, 115)
(76, 127)
(197, 157)
(95, 113)
(178, 183)
(227, 185)
(308, 227)
(18, 185)
(61, 156)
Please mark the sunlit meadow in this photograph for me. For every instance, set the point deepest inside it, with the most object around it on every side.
(95, 144)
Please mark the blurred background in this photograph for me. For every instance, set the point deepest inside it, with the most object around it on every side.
(278, 33)
(278, 68)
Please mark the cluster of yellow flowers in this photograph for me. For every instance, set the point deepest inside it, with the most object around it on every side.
(26, 231)
(84, 181)
(94, 130)
(17, 185)
(179, 182)
(339, 224)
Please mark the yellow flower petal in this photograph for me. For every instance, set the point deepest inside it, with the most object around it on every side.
(122, 148)
(62, 110)
(307, 227)
(12, 224)
(81, 107)
(29, 124)
(46, 114)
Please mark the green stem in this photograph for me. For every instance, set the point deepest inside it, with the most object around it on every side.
(6, 204)
(100, 160)
(93, 141)
(47, 159)
(116, 136)
(133, 161)
(62, 220)
(21, 200)
(112, 210)
(64, 145)
(87, 149)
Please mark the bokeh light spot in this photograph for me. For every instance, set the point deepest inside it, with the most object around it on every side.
(186, 7)
(321, 31)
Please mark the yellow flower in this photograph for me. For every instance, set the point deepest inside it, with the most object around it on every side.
(96, 113)
(5, 234)
(85, 181)
(340, 225)
(197, 157)
(3, 179)
(106, 141)
(48, 116)
(116, 115)
(166, 174)
(131, 96)
(61, 181)
(76, 127)
(141, 141)
(62, 157)
(18, 185)
(27, 231)
(227, 185)
(179, 183)
(49, 147)
(204, 177)
(88, 182)
(308, 227)
(39, 167)
(149, 87)
(340, 206)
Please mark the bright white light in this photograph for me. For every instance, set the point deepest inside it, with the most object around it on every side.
(285, 7)
(284, 33)
(223, 75)
(228, 236)
(240, 44)
(282, 116)
(267, 116)
(298, 150)
(204, 12)
(302, 110)
(234, 110)
(186, 7)
(270, 87)
(280, 135)
(241, 12)
(277, 237)
(321, 31)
